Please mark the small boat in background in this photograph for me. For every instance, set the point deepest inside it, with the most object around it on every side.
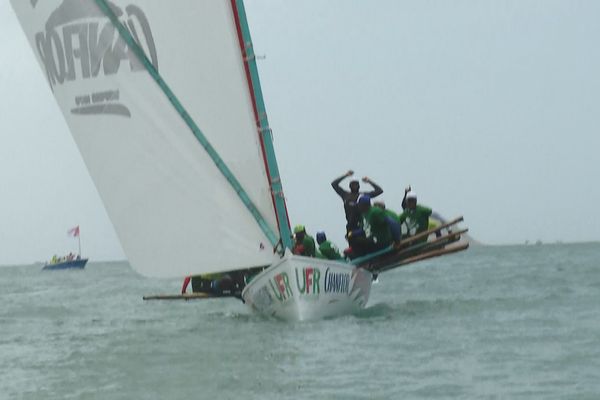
(71, 260)
(77, 262)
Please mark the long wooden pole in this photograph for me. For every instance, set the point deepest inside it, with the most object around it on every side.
(425, 234)
(404, 243)
(425, 256)
(186, 296)
(382, 263)
(435, 253)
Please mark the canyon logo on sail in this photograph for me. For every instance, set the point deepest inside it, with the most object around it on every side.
(80, 43)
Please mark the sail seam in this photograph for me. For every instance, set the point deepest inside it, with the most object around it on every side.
(219, 162)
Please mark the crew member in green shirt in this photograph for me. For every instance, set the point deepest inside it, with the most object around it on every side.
(328, 250)
(380, 228)
(415, 218)
(304, 244)
(388, 212)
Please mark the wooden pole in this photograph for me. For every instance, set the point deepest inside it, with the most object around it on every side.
(425, 234)
(436, 253)
(186, 296)
(427, 255)
(381, 263)
(191, 296)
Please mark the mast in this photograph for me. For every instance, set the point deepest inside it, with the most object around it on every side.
(262, 122)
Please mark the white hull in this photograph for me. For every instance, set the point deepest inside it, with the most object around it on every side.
(299, 288)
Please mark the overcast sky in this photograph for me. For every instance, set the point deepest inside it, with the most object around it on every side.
(489, 109)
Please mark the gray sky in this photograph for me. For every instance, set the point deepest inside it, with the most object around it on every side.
(490, 109)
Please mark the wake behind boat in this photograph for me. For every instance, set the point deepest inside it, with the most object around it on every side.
(163, 100)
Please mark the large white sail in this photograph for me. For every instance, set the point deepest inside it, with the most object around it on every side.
(173, 210)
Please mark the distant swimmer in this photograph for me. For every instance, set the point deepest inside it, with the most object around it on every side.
(353, 217)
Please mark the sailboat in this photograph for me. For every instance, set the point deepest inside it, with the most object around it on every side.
(70, 261)
(164, 102)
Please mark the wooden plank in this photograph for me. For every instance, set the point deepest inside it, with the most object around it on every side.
(442, 240)
(398, 255)
(425, 256)
(186, 296)
(368, 259)
(425, 234)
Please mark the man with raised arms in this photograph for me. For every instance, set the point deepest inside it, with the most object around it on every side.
(353, 216)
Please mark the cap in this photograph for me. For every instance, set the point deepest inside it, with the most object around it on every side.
(299, 228)
(321, 237)
(379, 203)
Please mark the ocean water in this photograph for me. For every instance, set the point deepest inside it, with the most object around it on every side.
(519, 322)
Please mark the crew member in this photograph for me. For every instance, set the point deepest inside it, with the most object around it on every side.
(328, 250)
(379, 230)
(406, 190)
(304, 244)
(415, 218)
(353, 217)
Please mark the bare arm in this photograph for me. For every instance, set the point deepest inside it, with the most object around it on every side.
(336, 183)
(408, 189)
(377, 189)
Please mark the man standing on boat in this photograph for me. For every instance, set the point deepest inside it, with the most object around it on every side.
(415, 218)
(353, 216)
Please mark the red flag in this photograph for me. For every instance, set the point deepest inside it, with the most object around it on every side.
(74, 231)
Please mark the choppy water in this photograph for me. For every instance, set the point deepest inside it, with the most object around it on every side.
(495, 322)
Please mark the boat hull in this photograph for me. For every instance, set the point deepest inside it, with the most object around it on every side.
(301, 288)
(73, 264)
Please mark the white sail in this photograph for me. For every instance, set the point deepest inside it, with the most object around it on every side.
(173, 210)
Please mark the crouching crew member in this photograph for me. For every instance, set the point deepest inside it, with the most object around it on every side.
(328, 250)
(304, 244)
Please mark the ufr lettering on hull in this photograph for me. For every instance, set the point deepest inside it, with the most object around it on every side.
(301, 288)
